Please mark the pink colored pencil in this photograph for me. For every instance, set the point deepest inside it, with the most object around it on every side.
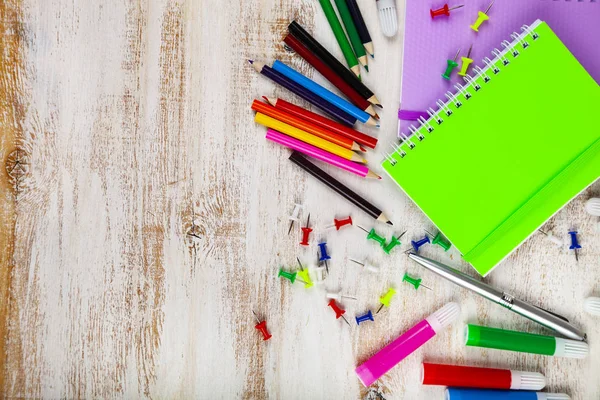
(312, 151)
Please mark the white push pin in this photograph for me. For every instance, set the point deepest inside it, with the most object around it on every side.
(592, 305)
(368, 267)
(295, 217)
(338, 296)
(553, 239)
(317, 275)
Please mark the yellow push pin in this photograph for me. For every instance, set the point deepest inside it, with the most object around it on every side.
(466, 63)
(481, 17)
(304, 274)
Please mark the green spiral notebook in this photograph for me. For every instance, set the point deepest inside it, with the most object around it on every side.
(506, 150)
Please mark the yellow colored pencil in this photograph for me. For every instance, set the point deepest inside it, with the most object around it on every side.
(307, 137)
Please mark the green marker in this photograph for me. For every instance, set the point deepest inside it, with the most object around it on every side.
(340, 36)
(440, 241)
(357, 45)
(451, 65)
(393, 243)
(494, 338)
(372, 235)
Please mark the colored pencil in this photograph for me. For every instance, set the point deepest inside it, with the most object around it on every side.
(340, 36)
(361, 27)
(357, 45)
(328, 73)
(320, 91)
(312, 151)
(304, 125)
(307, 137)
(337, 186)
(306, 94)
(326, 123)
(325, 56)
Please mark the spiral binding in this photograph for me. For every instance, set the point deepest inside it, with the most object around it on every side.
(520, 42)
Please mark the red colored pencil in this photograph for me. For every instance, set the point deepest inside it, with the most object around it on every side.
(330, 75)
(319, 120)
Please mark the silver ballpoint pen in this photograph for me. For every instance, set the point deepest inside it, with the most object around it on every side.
(536, 314)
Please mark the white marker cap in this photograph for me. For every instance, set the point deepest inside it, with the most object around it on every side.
(571, 348)
(552, 396)
(444, 316)
(592, 305)
(521, 380)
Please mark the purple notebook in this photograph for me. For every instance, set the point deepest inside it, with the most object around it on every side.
(429, 43)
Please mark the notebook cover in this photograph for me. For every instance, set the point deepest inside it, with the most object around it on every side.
(428, 43)
(511, 156)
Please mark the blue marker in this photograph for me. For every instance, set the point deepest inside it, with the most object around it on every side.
(479, 394)
(574, 244)
(368, 316)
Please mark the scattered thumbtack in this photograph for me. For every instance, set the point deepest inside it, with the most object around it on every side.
(306, 232)
(450, 67)
(369, 267)
(481, 18)
(368, 316)
(324, 256)
(338, 223)
(552, 238)
(386, 299)
(440, 240)
(466, 63)
(338, 296)
(294, 217)
(419, 243)
(338, 311)
(574, 244)
(393, 243)
(372, 235)
(304, 274)
(413, 281)
(291, 276)
(318, 274)
(443, 11)
(262, 327)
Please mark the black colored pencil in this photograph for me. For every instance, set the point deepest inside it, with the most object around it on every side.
(361, 27)
(337, 186)
(308, 41)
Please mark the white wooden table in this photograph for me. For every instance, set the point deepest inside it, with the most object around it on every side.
(125, 126)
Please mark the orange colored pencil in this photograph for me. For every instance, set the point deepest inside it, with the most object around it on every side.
(309, 127)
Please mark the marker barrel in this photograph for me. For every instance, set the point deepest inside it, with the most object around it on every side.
(479, 394)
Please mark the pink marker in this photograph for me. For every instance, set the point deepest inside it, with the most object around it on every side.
(407, 343)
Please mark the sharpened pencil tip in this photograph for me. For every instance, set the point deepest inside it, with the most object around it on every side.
(377, 126)
(379, 105)
(373, 56)
(367, 68)
(379, 178)
(389, 223)
(251, 61)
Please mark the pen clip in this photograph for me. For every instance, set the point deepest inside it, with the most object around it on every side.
(555, 314)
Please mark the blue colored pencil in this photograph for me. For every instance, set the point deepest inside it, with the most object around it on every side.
(325, 94)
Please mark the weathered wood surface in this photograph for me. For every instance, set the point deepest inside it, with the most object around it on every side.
(143, 216)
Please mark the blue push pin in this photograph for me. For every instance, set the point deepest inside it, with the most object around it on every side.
(419, 243)
(363, 318)
(574, 244)
(324, 256)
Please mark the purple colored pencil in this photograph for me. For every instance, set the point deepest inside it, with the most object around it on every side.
(306, 94)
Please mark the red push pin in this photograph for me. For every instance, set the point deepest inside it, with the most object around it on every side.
(443, 11)
(338, 223)
(262, 327)
(338, 311)
(306, 232)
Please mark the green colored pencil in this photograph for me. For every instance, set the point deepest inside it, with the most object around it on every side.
(340, 36)
(357, 45)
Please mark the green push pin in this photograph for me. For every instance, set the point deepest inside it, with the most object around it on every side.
(386, 299)
(372, 235)
(451, 65)
(291, 276)
(393, 243)
(415, 282)
(304, 273)
(440, 241)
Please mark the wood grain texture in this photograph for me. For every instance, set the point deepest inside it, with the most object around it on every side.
(144, 216)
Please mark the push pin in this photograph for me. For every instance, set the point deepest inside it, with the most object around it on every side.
(262, 327)
(419, 243)
(372, 235)
(481, 17)
(440, 241)
(451, 65)
(338, 223)
(324, 256)
(295, 214)
(466, 63)
(304, 274)
(318, 274)
(338, 296)
(368, 316)
(393, 243)
(443, 11)
(386, 299)
(415, 282)
(306, 232)
(369, 267)
(552, 238)
(338, 311)
(291, 276)
(574, 244)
